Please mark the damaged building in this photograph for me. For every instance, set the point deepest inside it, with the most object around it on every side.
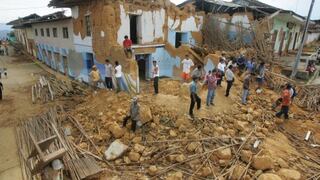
(72, 45)
(238, 18)
(159, 30)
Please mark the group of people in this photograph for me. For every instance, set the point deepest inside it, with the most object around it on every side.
(224, 70)
(110, 72)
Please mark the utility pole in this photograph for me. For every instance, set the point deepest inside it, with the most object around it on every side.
(303, 41)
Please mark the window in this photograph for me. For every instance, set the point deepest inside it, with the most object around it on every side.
(36, 32)
(42, 32)
(54, 32)
(88, 25)
(48, 32)
(65, 32)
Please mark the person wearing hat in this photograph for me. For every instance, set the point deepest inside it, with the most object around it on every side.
(134, 114)
(94, 77)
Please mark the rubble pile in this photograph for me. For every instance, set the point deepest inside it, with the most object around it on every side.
(170, 145)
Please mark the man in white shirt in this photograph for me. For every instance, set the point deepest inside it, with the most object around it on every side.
(109, 72)
(120, 81)
(230, 79)
(221, 69)
(155, 76)
(187, 63)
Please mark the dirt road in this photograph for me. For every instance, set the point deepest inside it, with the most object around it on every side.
(15, 106)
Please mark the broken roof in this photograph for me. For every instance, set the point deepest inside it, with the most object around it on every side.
(34, 18)
(23, 19)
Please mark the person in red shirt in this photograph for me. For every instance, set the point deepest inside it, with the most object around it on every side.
(285, 103)
(127, 43)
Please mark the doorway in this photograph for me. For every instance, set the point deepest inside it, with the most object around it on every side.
(282, 37)
(134, 28)
(90, 61)
(142, 60)
(295, 41)
(178, 39)
(65, 65)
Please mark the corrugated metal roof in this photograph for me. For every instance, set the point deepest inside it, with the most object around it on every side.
(224, 3)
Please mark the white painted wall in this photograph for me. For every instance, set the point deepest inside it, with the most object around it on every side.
(240, 19)
(54, 41)
(186, 25)
(191, 25)
(150, 26)
(312, 37)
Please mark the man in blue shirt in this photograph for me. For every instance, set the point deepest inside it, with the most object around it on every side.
(194, 96)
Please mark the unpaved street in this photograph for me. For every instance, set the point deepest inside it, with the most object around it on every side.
(15, 106)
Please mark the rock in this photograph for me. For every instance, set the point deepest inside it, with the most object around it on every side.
(172, 133)
(282, 163)
(223, 162)
(237, 172)
(139, 148)
(231, 132)
(224, 154)
(115, 150)
(245, 155)
(289, 174)
(171, 157)
(262, 163)
(241, 125)
(192, 146)
(145, 114)
(134, 156)
(219, 130)
(180, 158)
(265, 131)
(269, 176)
(206, 171)
(126, 160)
(116, 131)
(152, 170)
(137, 139)
(175, 176)
(279, 121)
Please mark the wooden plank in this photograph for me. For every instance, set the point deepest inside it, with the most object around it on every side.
(44, 144)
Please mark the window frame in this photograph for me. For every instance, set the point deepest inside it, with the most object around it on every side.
(55, 32)
(88, 25)
(42, 32)
(48, 32)
(65, 33)
(36, 32)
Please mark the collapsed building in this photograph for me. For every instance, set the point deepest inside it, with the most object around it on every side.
(283, 28)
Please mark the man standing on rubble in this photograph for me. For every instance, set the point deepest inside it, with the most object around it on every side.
(246, 85)
(241, 61)
(127, 43)
(155, 76)
(94, 77)
(285, 103)
(198, 73)
(120, 81)
(221, 69)
(134, 114)
(109, 72)
(194, 96)
(187, 63)
(212, 85)
(261, 74)
(230, 79)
